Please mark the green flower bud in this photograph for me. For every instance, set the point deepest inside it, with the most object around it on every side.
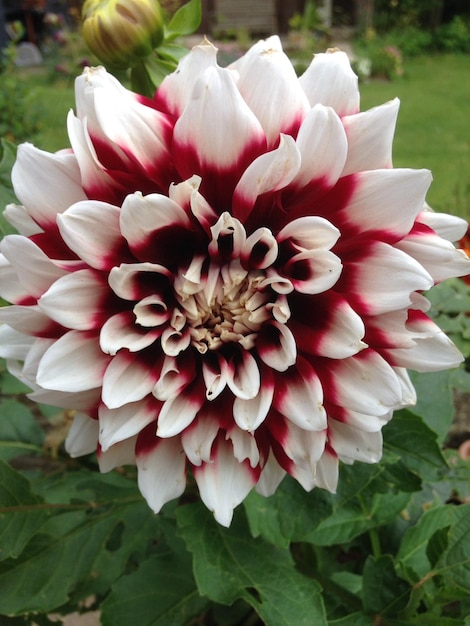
(122, 32)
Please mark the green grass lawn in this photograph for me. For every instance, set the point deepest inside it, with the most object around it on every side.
(433, 125)
(433, 128)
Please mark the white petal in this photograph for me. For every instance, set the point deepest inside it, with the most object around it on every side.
(45, 183)
(431, 354)
(26, 319)
(370, 138)
(73, 363)
(313, 271)
(329, 80)
(122, 453)
(35, 270)
(299, 396)
(249, 414)
(377, 295)
(76, 300)
(448, 227)
(269, 172)
(198, 438)
(126, 280)
(161, 472)
(323, 147)
(276, 346)
(19, 218)
(175, 375)
(271, 477)
(124, 422)
(120, 331)
(244, 446)
(304, 447)
(367, 384)
(224, 482)
(352, 444)
(14, 345)
(91, 230)
(243, 375)
(11, 289)
(269, 85)
(437, 255)
(310, 233)
(327, 472)
(128, 378)
(82, 437)
(388, 200)
(179, 411)
(176, 88)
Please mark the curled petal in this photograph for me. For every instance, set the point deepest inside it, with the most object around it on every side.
(244, 446)
(120, 331)
(260, 249)
(243, 375)
(276, 346)
(329, 80)
(176, 374)
(312, 272)
(128, 280)
(309, 233)
(250, 413)
(214, 372)
(268, 173)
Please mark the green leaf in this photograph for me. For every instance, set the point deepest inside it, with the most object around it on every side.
(383, 592)
(162, 591)
(291, 514)
(435, 401)
(454, 563)
(407, 437)
(185, 21)
(96, 526)
(354, 619)
(21, 515)
(230, 564)
(19, 431)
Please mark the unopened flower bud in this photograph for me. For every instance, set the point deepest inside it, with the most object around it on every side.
(121, 32)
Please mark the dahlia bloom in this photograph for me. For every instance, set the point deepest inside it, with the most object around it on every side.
(226, 279)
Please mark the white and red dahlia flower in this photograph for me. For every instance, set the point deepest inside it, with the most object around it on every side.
(226, 279)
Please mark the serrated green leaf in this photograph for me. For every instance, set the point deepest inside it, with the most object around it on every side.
(435, 401)
(162, 591)
(413, 441)
(71, 559)
(20, 514)
(185, 21)
(291, 514)
(355, 517)
(19, 431)
(383, 592)
(454, 563)
(230, 564)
